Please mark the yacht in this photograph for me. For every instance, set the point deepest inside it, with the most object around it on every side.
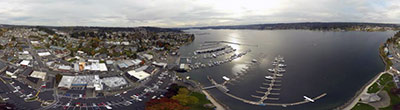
(280, 70)
(269, 77)
(271, 70)
(281, 65)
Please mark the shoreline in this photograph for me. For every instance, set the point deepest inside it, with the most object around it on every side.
(214, 101)
(352, 102)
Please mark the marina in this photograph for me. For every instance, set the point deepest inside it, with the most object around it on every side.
(269, 89)
(304, 68)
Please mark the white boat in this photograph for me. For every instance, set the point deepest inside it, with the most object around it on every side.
(271, 70)
(281, 65)
(280, 70)
(275, 63)
(226, 78)
(254, 60)
(279, 75)
(269, 77)
(308, 99)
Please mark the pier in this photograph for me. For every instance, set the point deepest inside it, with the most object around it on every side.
(266, 94)
(261, 103)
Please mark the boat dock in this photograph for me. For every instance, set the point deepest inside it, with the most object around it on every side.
(267, 95)
(261, 103)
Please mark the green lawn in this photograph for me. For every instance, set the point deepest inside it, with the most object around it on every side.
(362, 106)
(37, 47)
(394, 99)
(382, 80)
(202, 100)
(373, 88)
(72, 60)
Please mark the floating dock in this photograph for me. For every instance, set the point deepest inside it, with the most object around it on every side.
(271, 86)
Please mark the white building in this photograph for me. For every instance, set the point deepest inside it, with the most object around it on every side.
(138, 75)
(42, 54)
(25, 63)
(38, 74)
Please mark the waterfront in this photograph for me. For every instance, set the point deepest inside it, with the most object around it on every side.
(336, 63)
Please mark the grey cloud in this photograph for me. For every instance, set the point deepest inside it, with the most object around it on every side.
(178, 13)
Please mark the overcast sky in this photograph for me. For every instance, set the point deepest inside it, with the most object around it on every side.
(185, 13)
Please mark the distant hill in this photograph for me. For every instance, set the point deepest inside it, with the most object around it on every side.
(309, 26)
(73, 28)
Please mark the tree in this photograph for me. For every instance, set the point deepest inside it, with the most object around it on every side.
(58, 78)
(184, 98)
(164, 104)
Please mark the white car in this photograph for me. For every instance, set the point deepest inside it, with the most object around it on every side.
(108, 107)
(6, 98)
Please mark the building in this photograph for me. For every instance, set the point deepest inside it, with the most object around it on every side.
(148, 56)
(12, 72)
(24, 62)
(160, 64)
(39, 75)
(66, 82)
(128, 63)
(25, 73)
(64, 67)
(43, 54)
(137, 75)
(3, 67)
(113, 82)
(367, 97)
(88, 81)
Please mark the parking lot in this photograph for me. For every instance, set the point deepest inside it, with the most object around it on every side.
(131, 99)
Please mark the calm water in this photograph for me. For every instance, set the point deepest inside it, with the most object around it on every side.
(336, 63)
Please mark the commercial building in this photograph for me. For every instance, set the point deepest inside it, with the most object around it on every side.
(160, 64)
(88, 81)
(3, 67)
(43, 54)
(148, 56)
(39, 75)
(137, 75)
(24, 63)
(114, 81)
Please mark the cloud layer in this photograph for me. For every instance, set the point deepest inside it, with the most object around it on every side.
(184, 13)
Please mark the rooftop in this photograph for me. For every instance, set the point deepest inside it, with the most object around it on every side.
(38, 74)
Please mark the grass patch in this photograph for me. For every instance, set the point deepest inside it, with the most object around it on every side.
(381, 81)
(394, 99)
(373, 88)
(72, 60)
(202, 100)
(385, 78)
(31, 99)
(362, 106)
(37, 47)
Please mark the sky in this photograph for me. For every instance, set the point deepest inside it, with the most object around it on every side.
(189, 13)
